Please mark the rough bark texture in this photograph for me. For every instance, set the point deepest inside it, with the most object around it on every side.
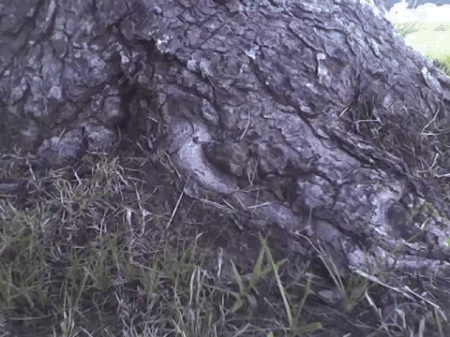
(310, 116)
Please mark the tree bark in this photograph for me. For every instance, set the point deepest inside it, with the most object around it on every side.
(312, 117)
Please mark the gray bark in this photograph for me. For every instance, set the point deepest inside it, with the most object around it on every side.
(308, 116)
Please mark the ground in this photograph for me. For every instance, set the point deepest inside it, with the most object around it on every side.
(426, 29)
(113, 247)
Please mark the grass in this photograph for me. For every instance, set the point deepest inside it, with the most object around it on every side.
(89, 255)
(405, 29)
(76, 261)
(92, 254)
(442, 60)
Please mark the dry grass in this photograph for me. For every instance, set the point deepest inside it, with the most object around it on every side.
(84, 257)
(87, 255)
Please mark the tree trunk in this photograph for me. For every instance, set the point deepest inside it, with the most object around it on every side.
(309, 116)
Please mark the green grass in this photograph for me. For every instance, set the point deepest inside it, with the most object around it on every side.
(443, 63)
(75, 261)
(442, 60)
(405, 29)
(88, 255)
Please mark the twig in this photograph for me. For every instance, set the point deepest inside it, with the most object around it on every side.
(178, 203)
